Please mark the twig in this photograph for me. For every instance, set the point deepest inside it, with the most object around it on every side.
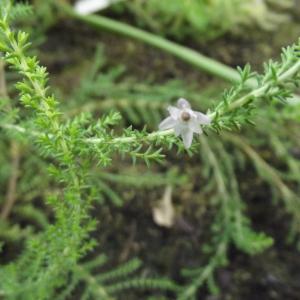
(271, 174)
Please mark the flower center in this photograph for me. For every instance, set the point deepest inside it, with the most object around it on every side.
(185, 116)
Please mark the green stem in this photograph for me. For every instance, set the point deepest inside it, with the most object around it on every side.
(214, 263)
(260, 91)
(191, 56)
(90, 279)
(126, 140)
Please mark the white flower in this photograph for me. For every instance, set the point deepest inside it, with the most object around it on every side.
(184, 121)
(86, 7)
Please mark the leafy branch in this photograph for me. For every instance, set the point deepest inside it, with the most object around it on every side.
(237, 105)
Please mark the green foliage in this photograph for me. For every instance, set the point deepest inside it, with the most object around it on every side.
(267, 87)
(107, 284)
(68, 149)
(139, 103)
(57, 250)
(202, 19)
(20, 11)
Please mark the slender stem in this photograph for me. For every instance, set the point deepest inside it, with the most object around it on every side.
(287, 194)
(259, 92)
(221, 185)
(191, 56)
(91, 280)
(149, 137)
(40, 91)
(17, 128)
(127, 140)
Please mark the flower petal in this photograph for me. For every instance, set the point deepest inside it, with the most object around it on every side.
(180, 127)
(183, 103)
(167, 123)
(202, 118)
(174, 112)
(187, 137)
(194, 125)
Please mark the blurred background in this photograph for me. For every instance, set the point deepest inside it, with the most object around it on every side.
(168, 215)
